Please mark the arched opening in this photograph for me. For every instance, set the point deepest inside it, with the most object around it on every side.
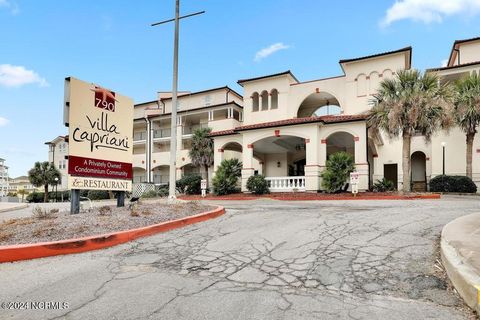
(161, 175)
(341, 141)
(319, 104)
(274, 99)
(264, 100)
(419, 171)
(255, 101)
(190, 169)
(139, 175)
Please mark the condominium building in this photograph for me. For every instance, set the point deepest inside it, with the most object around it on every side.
(4, 180)
(58, 155)
(286, 129)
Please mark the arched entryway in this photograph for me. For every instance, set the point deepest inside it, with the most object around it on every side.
(161, 175)
(419, 171)
(319, 104)
(341, 141)
(139, 175)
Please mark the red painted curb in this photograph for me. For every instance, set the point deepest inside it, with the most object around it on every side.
(47, 249)
(314, 197)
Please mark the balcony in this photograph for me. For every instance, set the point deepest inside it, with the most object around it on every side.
(160, 179)
(286, 184)
(162, 133)
(139, 136)
(188, 130)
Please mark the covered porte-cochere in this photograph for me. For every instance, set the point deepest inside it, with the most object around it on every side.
(292, 157)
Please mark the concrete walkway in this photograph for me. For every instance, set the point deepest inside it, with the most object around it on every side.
(460, 248)
(11, 206)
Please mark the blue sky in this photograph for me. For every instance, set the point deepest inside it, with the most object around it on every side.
(112, 43)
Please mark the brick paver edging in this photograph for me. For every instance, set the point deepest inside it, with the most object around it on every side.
(47, 249)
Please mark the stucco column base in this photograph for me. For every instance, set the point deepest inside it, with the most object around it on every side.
(362, 169)
(312, 178)
(246, 173)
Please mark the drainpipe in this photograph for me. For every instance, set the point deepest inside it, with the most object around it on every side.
(368, 163)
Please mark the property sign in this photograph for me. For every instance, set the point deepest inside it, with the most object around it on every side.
(203, 186)
(354, 182)
(100, 125)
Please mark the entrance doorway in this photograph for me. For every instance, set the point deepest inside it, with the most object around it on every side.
(390, 172)
(419, 171)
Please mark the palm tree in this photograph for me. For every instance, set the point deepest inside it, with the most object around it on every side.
(467, 111)
(22, 192)
(409, 103)
(201, 152)
(43, 174)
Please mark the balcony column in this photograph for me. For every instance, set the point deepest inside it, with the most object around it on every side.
(312, 166)
(247, 160)
(269, 101)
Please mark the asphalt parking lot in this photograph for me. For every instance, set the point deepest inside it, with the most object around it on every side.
(263, 259)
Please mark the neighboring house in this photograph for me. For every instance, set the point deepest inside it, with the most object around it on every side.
(57, 154)
(23, 183)
(4, 180)
(286, 129)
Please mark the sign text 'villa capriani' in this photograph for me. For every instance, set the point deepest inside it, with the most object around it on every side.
(100, 137)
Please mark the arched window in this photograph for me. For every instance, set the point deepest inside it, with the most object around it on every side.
(361, 85)
(264, 100)
(274, 99)
(255, 101)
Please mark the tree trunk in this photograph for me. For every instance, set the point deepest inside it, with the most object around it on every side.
(206, 174)
(470, 137)
(406, 163)
(45, 196)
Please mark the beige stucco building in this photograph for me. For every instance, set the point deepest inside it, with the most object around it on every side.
(58, 155)
(286, 129)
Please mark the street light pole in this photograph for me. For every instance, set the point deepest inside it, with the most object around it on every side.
(173, 136)
(56, 189)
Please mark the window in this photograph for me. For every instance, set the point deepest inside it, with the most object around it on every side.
(264, 100)
(255, 101)
(274, 99)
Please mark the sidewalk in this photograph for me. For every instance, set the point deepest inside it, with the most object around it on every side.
(460, 249)
(10, 206)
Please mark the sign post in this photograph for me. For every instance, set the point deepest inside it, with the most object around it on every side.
(100, 124)
(354, 182)
(203, 185)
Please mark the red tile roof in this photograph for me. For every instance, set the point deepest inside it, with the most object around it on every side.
(293, 121)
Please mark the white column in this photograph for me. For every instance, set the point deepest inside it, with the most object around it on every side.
(247, 160)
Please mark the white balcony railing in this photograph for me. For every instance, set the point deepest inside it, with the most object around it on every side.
(286, 184)
(139, 136)
(162, 133)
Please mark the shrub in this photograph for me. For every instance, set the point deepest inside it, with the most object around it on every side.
(337, 171)
(226, 178)
(189, 184)
(444, 183)
(35, 197)
(40, 213)
(383, 185)
(149, 194)
(104, 210)
(163, 191)
(257, 184)
(98, 194)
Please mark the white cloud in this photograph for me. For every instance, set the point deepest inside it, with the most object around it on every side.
(12, 6)
(444, 63)
(3, 122)
(428, 11)
(16, 76)
(265, 52)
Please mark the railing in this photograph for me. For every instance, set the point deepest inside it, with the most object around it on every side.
(138, 136)
(191, 129)
(160, 179)
(162, 133)
(138, 179)
(286, 184)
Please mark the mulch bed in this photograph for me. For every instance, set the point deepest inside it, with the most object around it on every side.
(317, 196)
(46, 226)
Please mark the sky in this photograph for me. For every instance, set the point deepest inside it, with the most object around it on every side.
(112, 43)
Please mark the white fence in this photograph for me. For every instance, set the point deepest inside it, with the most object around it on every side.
(286, 184)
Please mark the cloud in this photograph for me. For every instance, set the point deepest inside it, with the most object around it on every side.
(428, 11)
(12, 6)
(265, 52)
(16, 76)
(3, 122)
(444, 63)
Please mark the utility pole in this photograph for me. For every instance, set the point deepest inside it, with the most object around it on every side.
(173, 138)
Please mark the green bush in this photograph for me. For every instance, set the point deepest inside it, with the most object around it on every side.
(150, 194)
(257, 184)
(337, 171)
(189, 184)
(383, 185)
(444, 183)
(226, 177)
(98, 195)
(35, 197)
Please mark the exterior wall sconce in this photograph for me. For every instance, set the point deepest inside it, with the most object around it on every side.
(279, 164)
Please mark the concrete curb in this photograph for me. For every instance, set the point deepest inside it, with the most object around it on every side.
(464, 277)
(14, 208)
(307, 197)
(47, 249)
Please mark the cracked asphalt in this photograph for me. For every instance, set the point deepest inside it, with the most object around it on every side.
(263, 259)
